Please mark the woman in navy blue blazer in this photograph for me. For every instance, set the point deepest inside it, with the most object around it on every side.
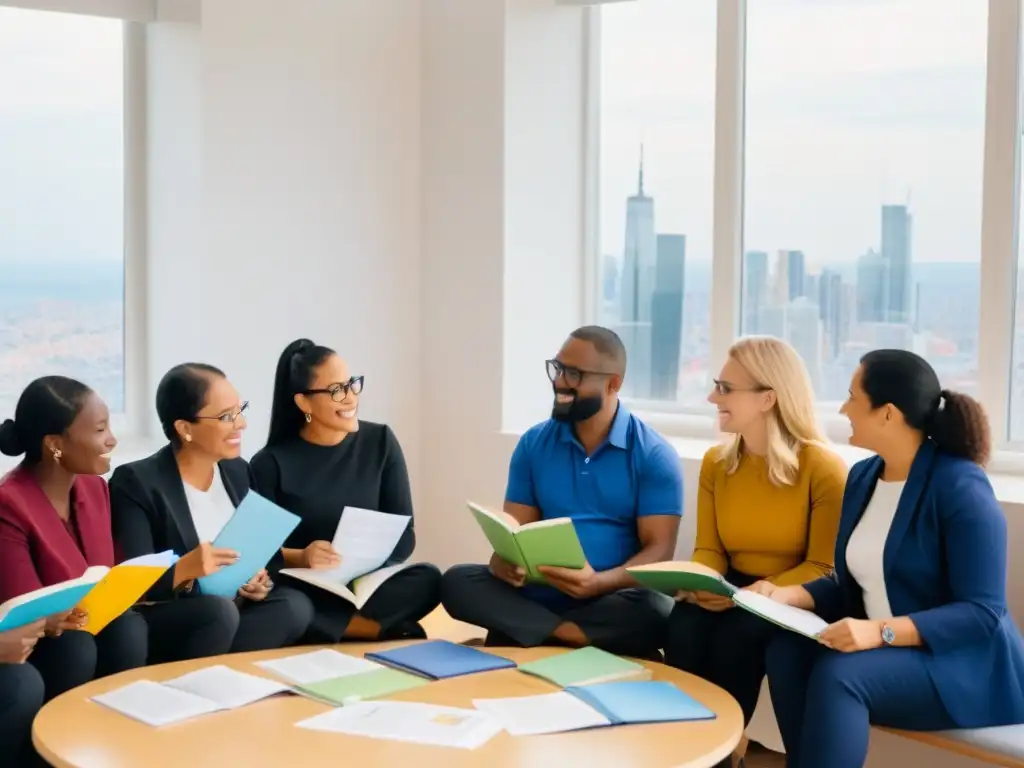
(920, 637)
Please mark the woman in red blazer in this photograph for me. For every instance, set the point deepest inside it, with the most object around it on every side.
(55, 523)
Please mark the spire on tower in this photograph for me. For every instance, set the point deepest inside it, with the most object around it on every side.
(640, 193)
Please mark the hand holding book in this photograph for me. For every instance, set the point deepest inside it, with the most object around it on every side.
(512, 574)
(17, 644)
(580, 583)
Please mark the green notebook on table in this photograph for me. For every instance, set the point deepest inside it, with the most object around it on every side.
(585, 666)
(545, 542)
(351, 689)
(671, 577)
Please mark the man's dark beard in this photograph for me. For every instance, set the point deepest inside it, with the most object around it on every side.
(578, 409)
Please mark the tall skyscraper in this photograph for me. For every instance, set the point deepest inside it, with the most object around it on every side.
(755, 290)
(830, 310)
(796, 273)
(667, 316)
(640, 254)
(896, 253)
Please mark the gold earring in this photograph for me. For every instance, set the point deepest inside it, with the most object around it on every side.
(56, 455)
(309, 418)
(188, 438)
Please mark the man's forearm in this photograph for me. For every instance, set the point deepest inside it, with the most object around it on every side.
(615, 579)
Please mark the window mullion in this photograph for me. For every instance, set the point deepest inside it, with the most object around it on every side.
(999, 214)
(727, 243)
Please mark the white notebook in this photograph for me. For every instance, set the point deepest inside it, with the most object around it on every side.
(312, 667)
(206, 690)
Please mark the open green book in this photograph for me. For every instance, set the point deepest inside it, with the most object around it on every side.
(585, 666)
(681, 576)
(545, 542)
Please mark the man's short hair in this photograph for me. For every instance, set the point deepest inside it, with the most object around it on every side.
(607, 343)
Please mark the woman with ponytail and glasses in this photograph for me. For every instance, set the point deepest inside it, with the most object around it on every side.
(920, 636)
(319, 459)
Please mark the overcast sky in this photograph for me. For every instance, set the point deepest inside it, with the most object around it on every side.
(60, 138)
(850, 104)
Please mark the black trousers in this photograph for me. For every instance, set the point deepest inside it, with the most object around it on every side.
(397, 606)
(21, 696)
(728, 649)
(76, 657)
(199, 626)
(630, 622)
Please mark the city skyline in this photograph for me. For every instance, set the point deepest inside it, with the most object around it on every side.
(830, 133)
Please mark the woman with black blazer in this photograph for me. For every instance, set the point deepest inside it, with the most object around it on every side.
(179, 499)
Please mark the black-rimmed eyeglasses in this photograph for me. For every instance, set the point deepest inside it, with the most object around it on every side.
(571, 375)
(339, 392)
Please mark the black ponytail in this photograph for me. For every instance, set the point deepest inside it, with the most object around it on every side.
(956, 422)
(295, 372)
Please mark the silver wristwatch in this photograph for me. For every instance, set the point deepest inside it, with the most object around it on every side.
(888, 634)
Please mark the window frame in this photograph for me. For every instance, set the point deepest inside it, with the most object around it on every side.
(134, 15)
(999, 229)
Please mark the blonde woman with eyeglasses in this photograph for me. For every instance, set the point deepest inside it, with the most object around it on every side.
(768, 509)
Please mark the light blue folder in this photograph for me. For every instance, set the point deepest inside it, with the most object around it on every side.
(637, 702)
(46, 602)
(256, 531)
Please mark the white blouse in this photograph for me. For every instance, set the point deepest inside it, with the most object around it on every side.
(866, 546)
(211, 509)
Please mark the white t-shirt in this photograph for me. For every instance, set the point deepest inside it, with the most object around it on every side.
(864, 550)
(211, 509)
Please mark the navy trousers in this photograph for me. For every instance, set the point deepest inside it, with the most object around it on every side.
(826, 702)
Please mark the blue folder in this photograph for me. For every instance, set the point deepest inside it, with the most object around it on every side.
(50, 601)
(256, 531)
(638, 702)
(440, 659)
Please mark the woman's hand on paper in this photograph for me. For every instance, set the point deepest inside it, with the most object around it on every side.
(321, 555)
(512, 574)
(762, 587)
(17, 644)
(258, 587)
(56, 625)
(203, 561)
(849, 635)
(709, 601)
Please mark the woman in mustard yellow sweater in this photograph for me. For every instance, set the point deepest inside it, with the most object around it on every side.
(768, 508)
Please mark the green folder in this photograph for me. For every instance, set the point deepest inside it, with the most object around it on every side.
(545, 542)
(669, 578)
(339, 691)
(585, 666)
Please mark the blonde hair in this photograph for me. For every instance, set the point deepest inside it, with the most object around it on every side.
(792, 422)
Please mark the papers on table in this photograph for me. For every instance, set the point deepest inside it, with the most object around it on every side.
(315, 666)
(409, 722)
(206, 690)
(547, 713)
(794, 619)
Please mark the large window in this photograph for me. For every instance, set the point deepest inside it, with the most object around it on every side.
(61, 202)
(838, 174)
(657, 103)
(865, 130)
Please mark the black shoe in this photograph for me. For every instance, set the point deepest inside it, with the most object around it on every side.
(407, 630)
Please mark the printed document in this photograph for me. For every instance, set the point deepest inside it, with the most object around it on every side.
(547, 713)
(316, 666)
(410, 722)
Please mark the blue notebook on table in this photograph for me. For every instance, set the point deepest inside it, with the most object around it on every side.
(640, 702)
(440, 659)
(256, 532)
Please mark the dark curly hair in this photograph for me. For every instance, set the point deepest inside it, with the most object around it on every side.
(956, 422)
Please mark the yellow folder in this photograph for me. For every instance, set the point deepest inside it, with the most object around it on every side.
(122, 587)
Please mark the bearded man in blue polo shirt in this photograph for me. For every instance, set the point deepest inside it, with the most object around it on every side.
(620, 483)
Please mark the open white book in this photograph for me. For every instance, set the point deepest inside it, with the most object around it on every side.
(796, 620)
(206, 690)
(365, 540)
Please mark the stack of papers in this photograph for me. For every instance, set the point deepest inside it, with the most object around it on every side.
(794, 619)
(595, 706)
(409, 722)
(206, 690)
(339, 679)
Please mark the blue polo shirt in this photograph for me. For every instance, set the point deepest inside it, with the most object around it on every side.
(633, 473)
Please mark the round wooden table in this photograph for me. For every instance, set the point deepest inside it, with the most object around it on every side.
(73, 732)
